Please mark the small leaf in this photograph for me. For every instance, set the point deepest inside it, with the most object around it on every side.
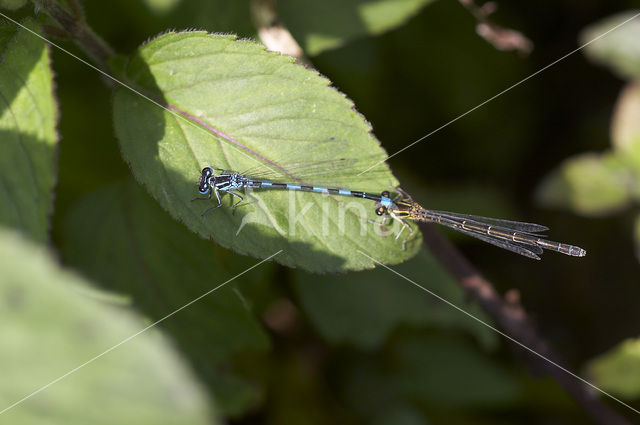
(137, 250)
(322, 25)
(589, 184)
(53, 321)
(362, 309)
(236, 106)
(625, 125)
(28, 117)
(618, 370)
(619, 49)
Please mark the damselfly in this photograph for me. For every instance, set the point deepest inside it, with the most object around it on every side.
(231, 182)
(521, 238)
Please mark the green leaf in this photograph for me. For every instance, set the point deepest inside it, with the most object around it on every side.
(619, 49)
(53, 322)
(139, 251)
(28, 117)
(618, 370)
(236, 106)
(589, 184)
(363, 308)
(450, 372)
(322, 25)
(625, 125)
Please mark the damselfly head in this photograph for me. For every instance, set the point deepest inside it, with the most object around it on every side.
(203, 182)
(384, 203)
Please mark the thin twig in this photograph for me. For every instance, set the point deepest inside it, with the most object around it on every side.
(510, 316)
(499, 37)
(96, 48)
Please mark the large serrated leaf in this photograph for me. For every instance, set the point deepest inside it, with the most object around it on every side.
(362, 309)
(137, 250)
(233, 105)
(322, 25)
(28, 137)
(618, 49)
(52, 322)
(618, 370)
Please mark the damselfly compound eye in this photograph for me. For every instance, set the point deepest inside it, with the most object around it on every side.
(204, 188)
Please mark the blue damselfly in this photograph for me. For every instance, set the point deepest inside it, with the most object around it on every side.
(226, 181)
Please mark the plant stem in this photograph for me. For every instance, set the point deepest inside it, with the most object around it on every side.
(96, 48)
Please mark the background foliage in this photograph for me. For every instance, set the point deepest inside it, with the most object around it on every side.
(284, 346)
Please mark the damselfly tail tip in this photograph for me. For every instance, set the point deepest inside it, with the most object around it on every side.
(576, 251)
